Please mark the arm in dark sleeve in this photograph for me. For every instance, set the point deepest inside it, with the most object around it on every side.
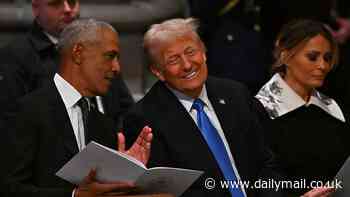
(22, 145)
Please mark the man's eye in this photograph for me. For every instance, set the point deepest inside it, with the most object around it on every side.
(173, 60)
(190, 52)
(111, 56)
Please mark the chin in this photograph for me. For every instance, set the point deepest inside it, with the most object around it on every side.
(102, 92)
(316, 84)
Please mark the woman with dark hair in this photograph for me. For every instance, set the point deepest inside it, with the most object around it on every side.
(307, 130)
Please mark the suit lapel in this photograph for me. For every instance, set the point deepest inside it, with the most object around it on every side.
(229, 119)
(179, 126)
(61, 120)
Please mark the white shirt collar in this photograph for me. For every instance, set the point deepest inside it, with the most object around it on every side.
(279, 99)
(69, 94)
(187, 101)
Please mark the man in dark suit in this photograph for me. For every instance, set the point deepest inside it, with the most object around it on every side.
(179, 62)
(32, 60)
(57, 121)
(201, 122)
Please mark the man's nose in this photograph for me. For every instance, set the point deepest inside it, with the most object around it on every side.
(186, 63)
(116, 66)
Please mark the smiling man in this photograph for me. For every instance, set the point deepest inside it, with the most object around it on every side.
(198, 122)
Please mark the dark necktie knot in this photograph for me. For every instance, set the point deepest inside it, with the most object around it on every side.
(83, 104)
(198, 104)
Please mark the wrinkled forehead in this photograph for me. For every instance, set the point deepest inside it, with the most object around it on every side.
(163, 44)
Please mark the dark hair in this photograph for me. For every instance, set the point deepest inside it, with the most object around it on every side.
(295, 35)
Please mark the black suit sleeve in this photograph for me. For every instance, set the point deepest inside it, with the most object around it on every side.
(23, 140)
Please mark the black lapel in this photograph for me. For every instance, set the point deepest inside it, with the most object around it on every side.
(61, 120)
(179, 126)
(229, 117)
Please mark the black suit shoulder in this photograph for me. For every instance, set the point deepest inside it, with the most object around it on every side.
(177, 140)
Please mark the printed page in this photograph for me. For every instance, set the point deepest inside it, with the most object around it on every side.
(167, 180)
(110, 165)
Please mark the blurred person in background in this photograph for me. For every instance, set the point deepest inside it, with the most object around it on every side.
(231, 32)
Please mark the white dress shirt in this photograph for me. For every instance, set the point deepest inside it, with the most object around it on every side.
(70, 97)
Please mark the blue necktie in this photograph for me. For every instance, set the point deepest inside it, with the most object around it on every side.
(216, 146)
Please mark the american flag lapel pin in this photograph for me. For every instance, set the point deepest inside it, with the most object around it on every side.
(222, 101)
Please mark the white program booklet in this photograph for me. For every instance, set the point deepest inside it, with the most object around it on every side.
(343, 180)
(112, 165)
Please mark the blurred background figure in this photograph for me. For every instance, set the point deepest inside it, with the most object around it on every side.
(130, 17)
(230, 30)
(307, 131)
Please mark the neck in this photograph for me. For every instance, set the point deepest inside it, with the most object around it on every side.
(302, 91)
(75, 81)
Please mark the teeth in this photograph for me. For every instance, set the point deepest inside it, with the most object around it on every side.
(190, 75)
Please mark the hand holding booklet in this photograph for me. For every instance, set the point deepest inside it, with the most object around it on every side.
(112, 165)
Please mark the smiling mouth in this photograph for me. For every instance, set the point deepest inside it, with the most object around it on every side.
(191, 75)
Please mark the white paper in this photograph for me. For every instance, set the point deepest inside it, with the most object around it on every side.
(112, 166)
(343, 177)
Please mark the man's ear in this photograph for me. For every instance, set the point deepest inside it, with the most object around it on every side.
(156, 70)
(77, 53)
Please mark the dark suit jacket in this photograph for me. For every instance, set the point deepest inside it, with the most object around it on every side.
(42, 141)
(31, 62)
(178, 142)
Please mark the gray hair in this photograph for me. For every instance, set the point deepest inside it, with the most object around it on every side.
(81, 31)
(167, 31)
